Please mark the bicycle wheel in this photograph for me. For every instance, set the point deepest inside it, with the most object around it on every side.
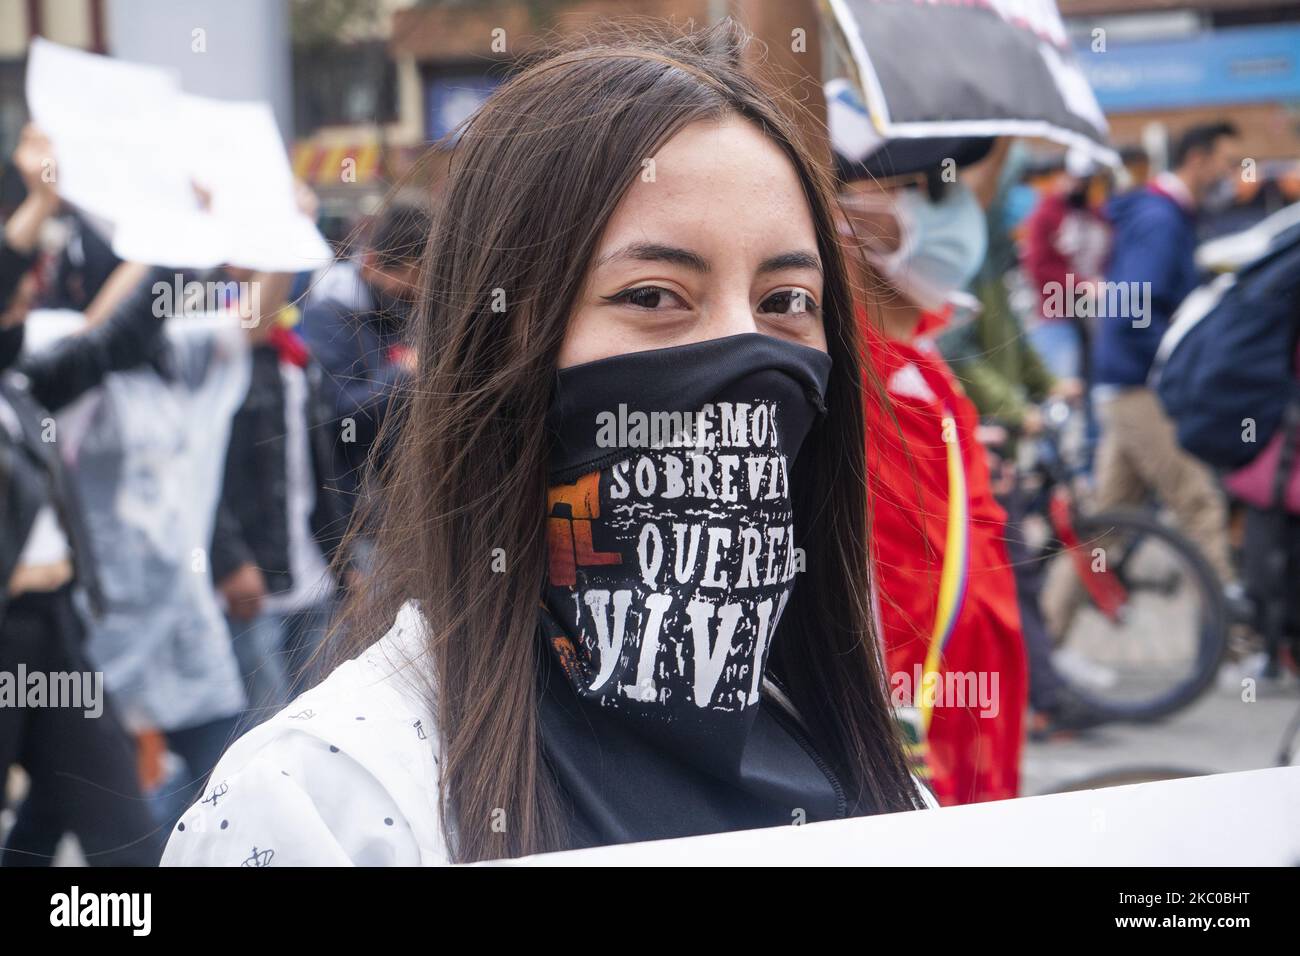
(1146, 635)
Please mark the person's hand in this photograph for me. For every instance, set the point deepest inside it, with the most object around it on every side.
(1068, 389)
(244, 590)
(34, 159)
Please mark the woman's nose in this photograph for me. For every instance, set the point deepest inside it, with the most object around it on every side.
(732, 316)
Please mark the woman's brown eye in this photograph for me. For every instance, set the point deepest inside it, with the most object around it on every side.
(648, 298)
(789, 302)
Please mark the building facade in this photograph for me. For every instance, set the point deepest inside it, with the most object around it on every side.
(1158, 67)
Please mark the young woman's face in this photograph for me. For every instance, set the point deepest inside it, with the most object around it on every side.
(714, 238)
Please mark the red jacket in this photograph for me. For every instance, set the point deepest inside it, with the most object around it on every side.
(976, 728)
(1064, 246)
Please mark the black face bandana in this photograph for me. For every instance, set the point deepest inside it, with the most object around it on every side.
(673, 553)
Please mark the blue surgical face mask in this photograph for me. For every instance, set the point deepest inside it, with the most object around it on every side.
(941, 246)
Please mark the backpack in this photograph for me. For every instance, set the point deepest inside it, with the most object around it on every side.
(1225, 370)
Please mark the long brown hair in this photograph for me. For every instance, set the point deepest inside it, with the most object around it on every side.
(536, 175)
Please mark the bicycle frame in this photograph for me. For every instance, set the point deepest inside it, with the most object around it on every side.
(1103, 585)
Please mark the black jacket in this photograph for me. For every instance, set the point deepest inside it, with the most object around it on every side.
(31, 472)
(252, 523)
(361, 381)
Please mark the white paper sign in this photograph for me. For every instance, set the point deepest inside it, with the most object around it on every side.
(131, 147)
(1229, 819)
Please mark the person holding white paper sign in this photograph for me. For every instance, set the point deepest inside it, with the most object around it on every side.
(81, 764)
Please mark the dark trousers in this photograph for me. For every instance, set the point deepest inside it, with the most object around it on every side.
(44, 817)
(1270, 568)
(82, 768)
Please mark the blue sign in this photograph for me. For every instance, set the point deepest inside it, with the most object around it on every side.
(1241, 65)
(449, 100)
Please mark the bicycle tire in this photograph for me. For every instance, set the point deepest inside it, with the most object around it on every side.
(1213, 639)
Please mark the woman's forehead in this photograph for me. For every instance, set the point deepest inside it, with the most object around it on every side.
(719, 178)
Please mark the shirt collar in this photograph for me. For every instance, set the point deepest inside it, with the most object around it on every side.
(1173, 187)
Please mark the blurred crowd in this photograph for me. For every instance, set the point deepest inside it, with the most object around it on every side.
(182, 534)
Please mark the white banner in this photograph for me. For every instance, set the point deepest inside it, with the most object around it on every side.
(1231, 819)
(132, 150)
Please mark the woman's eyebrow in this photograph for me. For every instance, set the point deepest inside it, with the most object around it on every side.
(657, 252)
(791, 260)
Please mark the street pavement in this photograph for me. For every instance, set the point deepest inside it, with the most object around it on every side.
(1217, 734)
